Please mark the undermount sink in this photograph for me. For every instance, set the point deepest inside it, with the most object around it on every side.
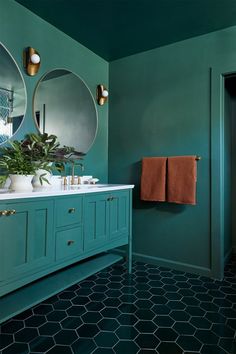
(87, 186)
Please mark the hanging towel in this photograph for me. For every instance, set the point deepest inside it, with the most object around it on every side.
(153, 179)
(181, 179)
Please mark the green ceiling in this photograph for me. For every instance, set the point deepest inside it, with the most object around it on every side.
(118, 28)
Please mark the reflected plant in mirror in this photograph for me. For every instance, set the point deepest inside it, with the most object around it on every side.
(12, 96)
(64, 106)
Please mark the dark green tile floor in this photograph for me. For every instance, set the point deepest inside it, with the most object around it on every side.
(156, 310)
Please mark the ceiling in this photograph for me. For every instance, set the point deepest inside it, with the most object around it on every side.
(118, 28)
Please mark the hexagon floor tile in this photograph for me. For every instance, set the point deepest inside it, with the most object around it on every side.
(155, 310)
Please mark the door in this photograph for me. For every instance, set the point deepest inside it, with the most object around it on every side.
(96, 220)
(119, 214)
(26, 238)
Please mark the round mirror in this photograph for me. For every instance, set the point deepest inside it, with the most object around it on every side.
(12, 96)
(64, 106)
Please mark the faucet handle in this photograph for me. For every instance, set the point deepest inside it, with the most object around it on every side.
(65, 181)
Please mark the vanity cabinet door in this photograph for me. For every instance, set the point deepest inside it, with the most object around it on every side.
(26, 238)
(96, 220)
(106, 217)
(119, 214)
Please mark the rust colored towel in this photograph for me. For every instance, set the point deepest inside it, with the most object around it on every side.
(181, 179)
(153, 179)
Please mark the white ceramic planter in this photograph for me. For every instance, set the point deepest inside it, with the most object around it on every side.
(21, 183)
(36, 180)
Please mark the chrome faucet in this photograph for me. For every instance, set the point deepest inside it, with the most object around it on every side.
(73, 164)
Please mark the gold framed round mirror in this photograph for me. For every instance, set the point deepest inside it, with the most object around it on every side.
(64, 106)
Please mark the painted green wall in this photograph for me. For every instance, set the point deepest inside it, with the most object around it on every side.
(160, 106)
(19, 28)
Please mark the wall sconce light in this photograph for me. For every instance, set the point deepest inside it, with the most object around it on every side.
(31, 60)
(102, 95)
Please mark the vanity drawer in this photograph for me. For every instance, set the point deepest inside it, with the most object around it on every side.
(68, 211)
(69, 243)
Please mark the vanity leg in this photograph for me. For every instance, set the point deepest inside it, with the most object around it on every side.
(129, 250)
(129, 256)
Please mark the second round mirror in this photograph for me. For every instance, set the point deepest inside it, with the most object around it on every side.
(64, 106)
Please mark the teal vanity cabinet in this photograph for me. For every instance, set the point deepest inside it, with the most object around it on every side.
(52, 239)
(26, 240)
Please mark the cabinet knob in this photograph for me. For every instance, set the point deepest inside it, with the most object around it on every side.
(110, 199)
(71, 210)
(3, 212)
(70, 242)
(10, 212)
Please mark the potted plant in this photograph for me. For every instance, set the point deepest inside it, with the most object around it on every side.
(18, 166)
(45, 149)
(35, 157)
(40, 148)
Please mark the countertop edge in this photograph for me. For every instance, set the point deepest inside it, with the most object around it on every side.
(60, 191)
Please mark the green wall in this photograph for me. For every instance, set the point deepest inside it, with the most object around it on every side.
(19, 28)
(160, 106)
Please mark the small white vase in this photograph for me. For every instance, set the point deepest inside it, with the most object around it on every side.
(36, 180)
(21, 183)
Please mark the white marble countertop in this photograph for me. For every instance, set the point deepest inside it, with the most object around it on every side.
(5, 194)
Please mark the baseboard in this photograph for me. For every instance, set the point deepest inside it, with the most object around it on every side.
(189, 268)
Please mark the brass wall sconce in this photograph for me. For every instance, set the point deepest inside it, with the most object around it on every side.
(31, 59)
(102, 95)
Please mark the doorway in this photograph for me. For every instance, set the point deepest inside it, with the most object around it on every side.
(229, 166)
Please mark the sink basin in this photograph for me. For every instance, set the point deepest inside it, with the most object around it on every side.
(88, 186)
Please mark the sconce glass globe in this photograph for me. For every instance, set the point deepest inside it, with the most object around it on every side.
(35, 58)
(105, 93)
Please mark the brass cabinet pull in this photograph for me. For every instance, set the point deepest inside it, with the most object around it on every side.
(110, 199)
(70, 242)
(7, 212)
(3, 212)
(10, 212)
(71, 210)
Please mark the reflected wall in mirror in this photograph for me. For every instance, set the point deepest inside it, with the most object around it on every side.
(64, 106)
(12, 96)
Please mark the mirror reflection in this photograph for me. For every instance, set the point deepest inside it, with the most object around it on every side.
(64, 106)
(12, 96)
